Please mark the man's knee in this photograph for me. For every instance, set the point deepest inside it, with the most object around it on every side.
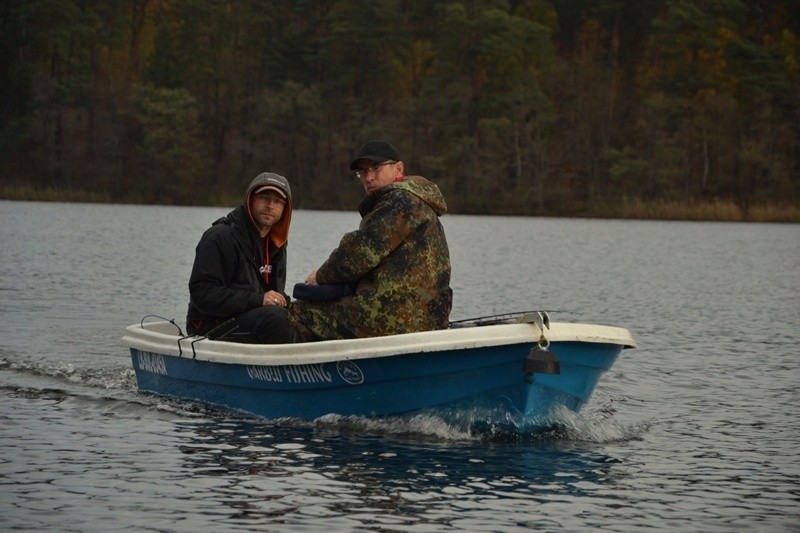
(272, 326)
(264, 325)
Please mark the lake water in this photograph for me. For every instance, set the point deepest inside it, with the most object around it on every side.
(697, 429)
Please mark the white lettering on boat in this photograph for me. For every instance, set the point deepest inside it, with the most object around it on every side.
(152, 362)
(307, 374)
(265, 373)
(315, 373)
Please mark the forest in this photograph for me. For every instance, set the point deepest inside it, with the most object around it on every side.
(685, 109)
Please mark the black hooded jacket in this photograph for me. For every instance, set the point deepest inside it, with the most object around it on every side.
(228, 277)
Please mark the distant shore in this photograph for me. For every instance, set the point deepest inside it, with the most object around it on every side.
(717, 210)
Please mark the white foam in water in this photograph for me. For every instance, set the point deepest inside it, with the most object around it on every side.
(563, 424)
(104, 378)
(418, 425)
(598, 427)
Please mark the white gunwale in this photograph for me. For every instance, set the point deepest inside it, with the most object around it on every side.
(162, 338)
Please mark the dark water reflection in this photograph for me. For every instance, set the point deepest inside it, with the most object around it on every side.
(381, 476)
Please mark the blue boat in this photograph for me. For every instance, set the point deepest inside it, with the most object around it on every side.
(505, 371)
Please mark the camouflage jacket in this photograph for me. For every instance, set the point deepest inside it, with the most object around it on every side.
(400, 261)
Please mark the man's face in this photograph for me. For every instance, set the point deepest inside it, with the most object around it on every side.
(267, 209)
(374, 175)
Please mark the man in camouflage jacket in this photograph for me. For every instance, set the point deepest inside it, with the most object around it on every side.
(398, 259)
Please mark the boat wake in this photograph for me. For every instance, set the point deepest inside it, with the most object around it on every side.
(104, 378)
(564, 425)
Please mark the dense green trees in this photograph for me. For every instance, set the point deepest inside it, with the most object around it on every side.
(527, 106)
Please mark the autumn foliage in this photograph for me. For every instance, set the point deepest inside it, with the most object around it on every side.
(561, 107)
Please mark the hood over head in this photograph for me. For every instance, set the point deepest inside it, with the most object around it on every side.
(425, 190)
(279, 233)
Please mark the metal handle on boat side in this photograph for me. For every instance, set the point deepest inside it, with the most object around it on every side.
(540, 318)
(540, 359)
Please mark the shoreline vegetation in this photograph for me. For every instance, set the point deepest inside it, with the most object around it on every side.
(626, 209)
(653, 109)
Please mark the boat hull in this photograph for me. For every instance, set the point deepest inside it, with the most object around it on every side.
(478, 376)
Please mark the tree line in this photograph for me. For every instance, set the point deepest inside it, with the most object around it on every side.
(535, 107)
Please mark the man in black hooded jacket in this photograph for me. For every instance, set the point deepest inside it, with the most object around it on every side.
(238, 279)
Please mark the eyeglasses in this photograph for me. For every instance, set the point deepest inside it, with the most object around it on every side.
(362, 173)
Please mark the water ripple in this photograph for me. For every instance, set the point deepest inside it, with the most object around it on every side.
(695, 430)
